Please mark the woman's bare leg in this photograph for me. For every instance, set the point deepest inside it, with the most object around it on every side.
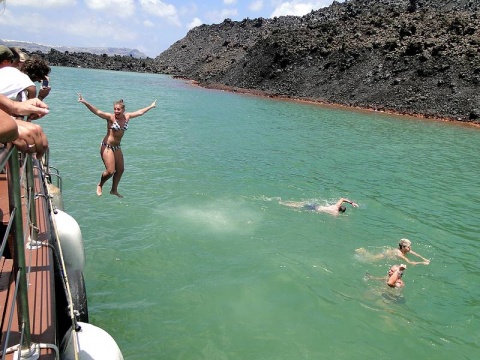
(108, 157)
(119, 169)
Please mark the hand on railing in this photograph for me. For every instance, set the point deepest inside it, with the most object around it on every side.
(31, 138)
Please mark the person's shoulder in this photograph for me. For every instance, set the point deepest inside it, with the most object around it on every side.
(13, 71)
(331, 209)
(10, 74)
(9, 70)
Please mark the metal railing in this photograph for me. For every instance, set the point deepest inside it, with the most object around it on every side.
(19, 171)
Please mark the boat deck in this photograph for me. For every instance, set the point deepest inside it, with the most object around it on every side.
(40, 277)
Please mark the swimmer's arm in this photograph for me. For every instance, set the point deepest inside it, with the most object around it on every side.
(425, 261)
(342, 200)
(392, 280)
(400, 255)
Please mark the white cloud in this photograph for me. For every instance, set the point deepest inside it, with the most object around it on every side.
(34, 20)
(7, 19)
(42, 4)
(256, 5)
(120, 8)
(298, 7)
(194, 23)
(91, 28)
(229, 2)
(161, 9)
(148, 23)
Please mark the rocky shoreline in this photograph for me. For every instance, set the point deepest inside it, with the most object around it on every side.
(410, 57)
(324, 103)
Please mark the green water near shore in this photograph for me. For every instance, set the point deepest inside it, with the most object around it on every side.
(200, 261)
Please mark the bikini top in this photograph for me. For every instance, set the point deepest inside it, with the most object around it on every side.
(116, 127)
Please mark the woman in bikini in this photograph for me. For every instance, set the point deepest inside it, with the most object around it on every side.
(110, 149)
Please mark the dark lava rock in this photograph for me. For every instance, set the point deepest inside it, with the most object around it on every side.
(93, 61)
(417, 57)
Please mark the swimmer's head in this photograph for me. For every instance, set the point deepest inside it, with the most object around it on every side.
(394, 268)
(403, 243)
(342, 209)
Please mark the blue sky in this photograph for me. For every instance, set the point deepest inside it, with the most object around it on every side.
(150, 26)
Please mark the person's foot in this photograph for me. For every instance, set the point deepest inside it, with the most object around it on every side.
(99, 190)
(116, 193)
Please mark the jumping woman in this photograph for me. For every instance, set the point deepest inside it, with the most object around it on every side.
(110, 148)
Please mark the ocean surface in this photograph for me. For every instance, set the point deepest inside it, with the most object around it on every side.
(200, 260)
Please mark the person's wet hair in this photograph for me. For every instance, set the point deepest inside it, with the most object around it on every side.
(342, 209)
(404, 243)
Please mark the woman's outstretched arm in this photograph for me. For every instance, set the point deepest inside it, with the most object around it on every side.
(93, 109)
(140, 112)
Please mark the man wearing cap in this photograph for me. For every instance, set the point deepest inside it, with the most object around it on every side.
(6, 56)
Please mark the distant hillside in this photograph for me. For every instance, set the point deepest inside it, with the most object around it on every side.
(33, 47)
(419, 57)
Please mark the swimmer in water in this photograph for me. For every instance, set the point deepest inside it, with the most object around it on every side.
(393, 278)
(404, 248)
(335, 209)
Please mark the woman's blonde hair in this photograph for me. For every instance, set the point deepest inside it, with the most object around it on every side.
(119, 102)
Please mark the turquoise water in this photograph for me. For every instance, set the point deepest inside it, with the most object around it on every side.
(200, 261)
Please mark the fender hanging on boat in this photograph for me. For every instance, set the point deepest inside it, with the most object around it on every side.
(94, 343)
(56, 196)
(79, 294)
(70, 237)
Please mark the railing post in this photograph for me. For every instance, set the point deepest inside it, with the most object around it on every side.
(19, 247)
(31, 199)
